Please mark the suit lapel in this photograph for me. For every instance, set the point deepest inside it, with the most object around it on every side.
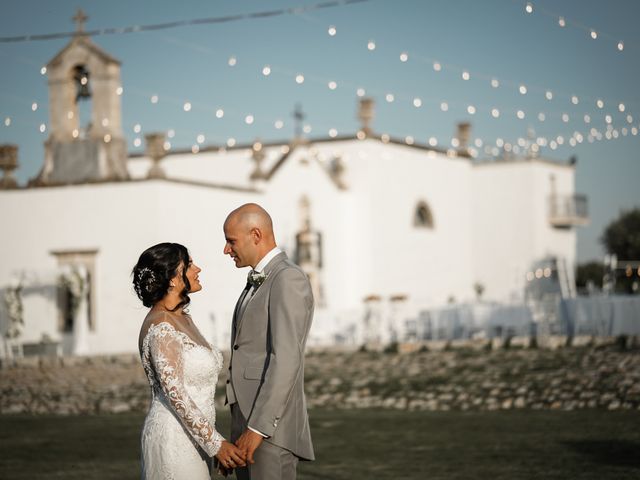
(268, 269)
(236, 312)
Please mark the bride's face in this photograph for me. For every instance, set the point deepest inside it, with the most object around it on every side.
(192, 275)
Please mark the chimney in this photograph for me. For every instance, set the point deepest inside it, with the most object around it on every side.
(155, 150)
(8, 163)
(463, 133)
(366, 114)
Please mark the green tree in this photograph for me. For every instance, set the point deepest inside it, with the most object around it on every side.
(622, 237)
(590, 272)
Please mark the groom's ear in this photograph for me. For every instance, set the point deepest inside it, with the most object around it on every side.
(256, 235)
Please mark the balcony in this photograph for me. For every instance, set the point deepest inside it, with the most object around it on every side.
(566, 211)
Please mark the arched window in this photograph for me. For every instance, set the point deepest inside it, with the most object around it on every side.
(422, 217)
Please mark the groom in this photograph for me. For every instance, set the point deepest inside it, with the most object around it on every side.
(271, 322)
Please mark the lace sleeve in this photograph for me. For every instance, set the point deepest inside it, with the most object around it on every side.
(165, 349)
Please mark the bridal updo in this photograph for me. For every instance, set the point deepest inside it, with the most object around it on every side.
(156, 267)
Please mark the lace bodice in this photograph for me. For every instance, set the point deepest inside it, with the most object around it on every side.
(183, 376)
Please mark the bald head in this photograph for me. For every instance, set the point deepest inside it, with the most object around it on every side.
(249, 235)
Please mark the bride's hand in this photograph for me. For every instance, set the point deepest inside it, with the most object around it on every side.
(230, 456)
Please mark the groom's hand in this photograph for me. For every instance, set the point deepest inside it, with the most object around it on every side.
(249, 442)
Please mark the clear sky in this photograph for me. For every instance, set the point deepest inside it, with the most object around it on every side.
(488, 39)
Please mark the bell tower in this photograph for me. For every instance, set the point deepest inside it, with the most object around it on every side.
(84, 149)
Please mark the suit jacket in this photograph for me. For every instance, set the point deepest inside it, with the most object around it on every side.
(266, 372)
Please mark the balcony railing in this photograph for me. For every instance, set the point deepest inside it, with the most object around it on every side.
(566, 211)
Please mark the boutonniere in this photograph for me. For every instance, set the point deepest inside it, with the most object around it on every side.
(256, 278)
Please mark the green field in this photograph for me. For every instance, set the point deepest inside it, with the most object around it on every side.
(354, 444)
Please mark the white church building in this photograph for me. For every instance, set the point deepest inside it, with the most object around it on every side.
(385, 228)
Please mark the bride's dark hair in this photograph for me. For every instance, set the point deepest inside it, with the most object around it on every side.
(156, 267)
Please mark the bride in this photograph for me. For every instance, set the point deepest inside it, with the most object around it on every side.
(179, 438)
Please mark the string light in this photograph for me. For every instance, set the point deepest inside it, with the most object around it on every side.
(621, 107)
(231, 142)
(278, 124)
(495, 83)
(361, 92)
(266, 70)
(332, 85)
(436, 66)
(119, 90)
(43, 70)
(599, 103)
(471, 109)
(417, 102)
(620, 45)
(219, 113)
(232, 61)
(548, 95)
(34, 106)
(333, 133)
(332, 31)
(154, 99)
(137, 142)
(200, 139)
(565, 118)
(528, 7)
(433, 141)
(299, 79)
(562, 22)
(389, 97)
(248, 119)
(7, 121)
(404, 56)
(371, 45)
(523, 90)
(187, 106)
(107, 138)
(137, 128)
(171, 133)
(43, 128)
(195, 149)
(466, 75)
(306, 129)
(542, 117)
(594, 34)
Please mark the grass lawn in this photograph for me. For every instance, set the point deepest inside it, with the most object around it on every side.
(359, 444)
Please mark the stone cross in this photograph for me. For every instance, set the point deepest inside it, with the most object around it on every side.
(80, 18)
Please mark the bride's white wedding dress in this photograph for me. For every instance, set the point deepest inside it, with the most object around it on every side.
(179, 437)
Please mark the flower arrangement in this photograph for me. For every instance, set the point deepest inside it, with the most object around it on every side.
(13, 304)
(73, 282)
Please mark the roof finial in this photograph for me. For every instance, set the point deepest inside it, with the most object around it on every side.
(80, 18)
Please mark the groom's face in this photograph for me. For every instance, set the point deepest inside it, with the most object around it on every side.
(239, 244)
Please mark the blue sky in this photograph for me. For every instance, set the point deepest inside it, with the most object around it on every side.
(488, 39)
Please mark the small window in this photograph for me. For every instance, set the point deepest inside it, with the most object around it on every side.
(423, 217)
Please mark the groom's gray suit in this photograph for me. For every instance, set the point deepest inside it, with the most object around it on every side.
(266, 372)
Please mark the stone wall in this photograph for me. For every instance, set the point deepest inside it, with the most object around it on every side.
(453, 377)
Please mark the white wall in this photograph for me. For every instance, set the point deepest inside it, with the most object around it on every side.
(511, 227)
